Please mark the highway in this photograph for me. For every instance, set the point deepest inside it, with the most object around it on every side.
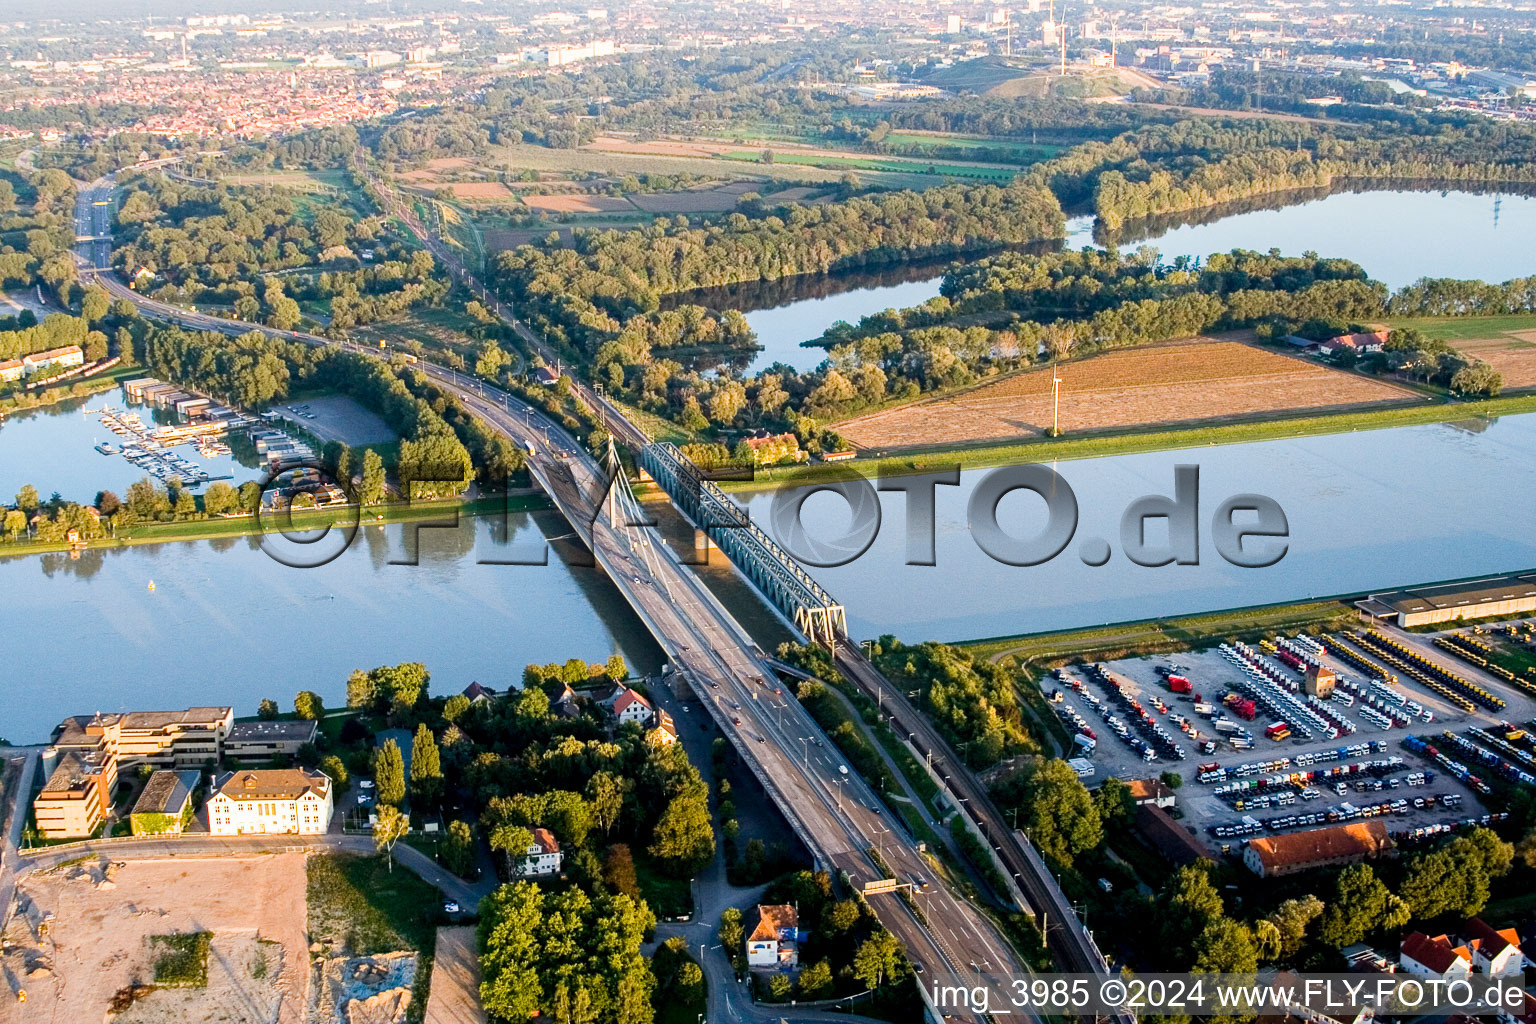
(836, 815)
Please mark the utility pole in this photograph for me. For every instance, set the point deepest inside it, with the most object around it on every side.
(1055, 402)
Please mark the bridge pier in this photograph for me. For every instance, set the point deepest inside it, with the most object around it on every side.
(703, 543)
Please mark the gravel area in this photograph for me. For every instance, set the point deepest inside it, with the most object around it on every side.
(82, 935)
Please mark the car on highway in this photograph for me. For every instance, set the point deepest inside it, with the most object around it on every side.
(842, 769)
(451, 906)
(735, 719)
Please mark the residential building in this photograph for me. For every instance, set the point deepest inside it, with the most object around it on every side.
(543, 856)
(165, 806)
(76, 796)
(166, 739)
(1495, 952)
(262, 741)
(11, 370)
(774, 938)
(478, 694)
(629, 706)
(564, 703)
(1168, 837)
(69, 355)
(665, 732)
(1273, 856)
(1363, 343)
(1435, 957)
(287, 801)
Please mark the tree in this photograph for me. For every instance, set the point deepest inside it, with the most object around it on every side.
(816, 980)
(389, 773)
(619, 871)
(876, 959)
(1478, 380)
(458, 849)
(684, 836)
(455, 707)
(1063, 820)
(362, 690)
(606, 793)
(26, 498)
(731, 934)
(220, 499)
(372, 490)
(1185, 905)
(94, 304)
(1360, 905)
(15, 522)
(512, 841)
(1113, 801)
(390, 828)
(267, 710)
(336, 768)
(1291, 919)
(1225, 946)
(308, 705)
(510, 923)
(426, 766)
(839, 917)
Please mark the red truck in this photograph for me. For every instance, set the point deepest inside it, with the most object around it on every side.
(1180, 684)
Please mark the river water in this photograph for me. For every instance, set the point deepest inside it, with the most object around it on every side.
(228, 624)
(225, 623)
(1397, 236)
(1366, 511)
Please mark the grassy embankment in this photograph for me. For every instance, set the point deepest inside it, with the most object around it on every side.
(1140, 440)
(1160, 636)
(339, 517)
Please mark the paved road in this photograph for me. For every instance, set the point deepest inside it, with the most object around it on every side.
(10, 842)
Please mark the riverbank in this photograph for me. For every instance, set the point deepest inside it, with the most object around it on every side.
(1270, 428)
(340, 517)
(1159, 636)
(25, 401)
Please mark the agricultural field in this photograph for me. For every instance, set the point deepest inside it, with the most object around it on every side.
(1472, 328)
(308, 181)
(1513, 355)
(1196, 380)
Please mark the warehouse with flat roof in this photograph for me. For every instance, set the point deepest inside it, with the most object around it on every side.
(1490, 597)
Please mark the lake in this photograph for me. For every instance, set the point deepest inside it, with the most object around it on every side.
(1366, 511)
(1397, 236)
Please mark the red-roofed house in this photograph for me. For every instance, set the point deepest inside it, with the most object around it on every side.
(774, 938)
(1434, 957)
(1363, 343)
(543, 856)
(629, 706)
(1495, 953)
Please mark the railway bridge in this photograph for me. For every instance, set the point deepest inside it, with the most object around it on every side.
(757, 556)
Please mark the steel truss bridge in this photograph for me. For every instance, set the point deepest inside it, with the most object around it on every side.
(797, 596)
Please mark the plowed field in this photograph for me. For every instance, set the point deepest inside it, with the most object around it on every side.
(1198, 380)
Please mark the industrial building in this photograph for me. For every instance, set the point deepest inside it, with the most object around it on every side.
(1490, 597)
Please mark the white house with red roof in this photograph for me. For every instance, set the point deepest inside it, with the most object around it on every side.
(543, 856)
(629, 706)
(1495, 952)
(1435, 957)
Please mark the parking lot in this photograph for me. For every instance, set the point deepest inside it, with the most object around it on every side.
(1260, 781)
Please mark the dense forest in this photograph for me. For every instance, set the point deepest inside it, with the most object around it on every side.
(211, 244)
(1194, 164)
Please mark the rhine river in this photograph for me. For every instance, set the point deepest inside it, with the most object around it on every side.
(225, 623)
